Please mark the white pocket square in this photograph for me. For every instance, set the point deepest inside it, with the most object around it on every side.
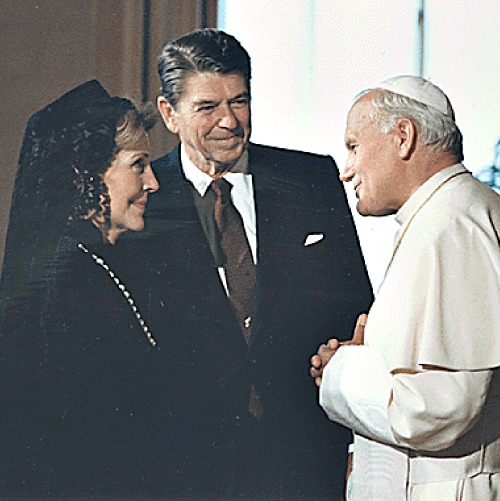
(313, 238)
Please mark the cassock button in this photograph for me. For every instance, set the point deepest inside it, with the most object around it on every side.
(247, 322)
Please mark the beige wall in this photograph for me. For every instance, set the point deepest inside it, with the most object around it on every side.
(49, 46)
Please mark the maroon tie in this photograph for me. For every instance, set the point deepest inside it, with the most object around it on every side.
(239, 266)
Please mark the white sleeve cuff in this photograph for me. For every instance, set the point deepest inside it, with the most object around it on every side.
(356, 390)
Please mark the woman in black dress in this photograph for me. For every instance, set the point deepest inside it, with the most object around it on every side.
(80, 405)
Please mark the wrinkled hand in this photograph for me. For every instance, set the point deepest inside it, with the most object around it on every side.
(326, 351)
(321, 359)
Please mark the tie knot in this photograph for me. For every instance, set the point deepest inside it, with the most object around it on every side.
(222, 189)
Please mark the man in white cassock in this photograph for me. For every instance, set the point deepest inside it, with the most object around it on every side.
(419, 382)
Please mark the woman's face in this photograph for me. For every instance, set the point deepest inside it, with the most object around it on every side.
(129, 180)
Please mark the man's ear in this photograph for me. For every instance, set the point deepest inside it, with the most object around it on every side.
(168, 114)
(407, 137)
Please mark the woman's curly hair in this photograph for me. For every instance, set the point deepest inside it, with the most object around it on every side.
(93, 150)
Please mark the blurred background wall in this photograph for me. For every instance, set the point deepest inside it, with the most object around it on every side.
(309, 57)
(48, 47)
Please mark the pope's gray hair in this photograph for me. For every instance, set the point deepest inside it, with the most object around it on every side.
(438, 131)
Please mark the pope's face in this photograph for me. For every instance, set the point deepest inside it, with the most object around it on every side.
(212, 119)
(371, 163)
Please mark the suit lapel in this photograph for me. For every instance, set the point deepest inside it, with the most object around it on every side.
(179, 209)
(187, 236)
(267, 196)
(272, 229)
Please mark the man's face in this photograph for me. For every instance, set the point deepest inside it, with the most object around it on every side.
(372, 163)
(212, 119)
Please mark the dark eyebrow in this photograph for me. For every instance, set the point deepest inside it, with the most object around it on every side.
(205, 102)
(208, 102)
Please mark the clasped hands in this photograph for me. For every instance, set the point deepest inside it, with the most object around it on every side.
(326, 351)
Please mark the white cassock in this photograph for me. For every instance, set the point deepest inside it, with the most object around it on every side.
(423, 394)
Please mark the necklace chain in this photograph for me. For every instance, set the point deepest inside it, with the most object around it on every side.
(126, 294)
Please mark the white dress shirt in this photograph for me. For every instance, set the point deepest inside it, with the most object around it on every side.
(242, 195)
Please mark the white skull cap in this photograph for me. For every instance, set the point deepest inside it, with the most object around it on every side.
(421, 90)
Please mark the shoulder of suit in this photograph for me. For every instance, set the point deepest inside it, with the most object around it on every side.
(168, 166)
(170, 158)
(260, 149)
(292, 164)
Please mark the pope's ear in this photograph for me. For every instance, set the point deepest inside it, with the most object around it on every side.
(168, 114)
(407, 137)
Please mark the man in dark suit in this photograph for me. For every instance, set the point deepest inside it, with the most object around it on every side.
(244, 413)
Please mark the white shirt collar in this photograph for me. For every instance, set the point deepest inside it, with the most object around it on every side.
(242, 193)
(201, 181)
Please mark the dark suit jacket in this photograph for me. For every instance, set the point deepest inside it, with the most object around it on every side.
(305, 295)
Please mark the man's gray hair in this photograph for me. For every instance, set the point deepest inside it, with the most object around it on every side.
(205, 50)
(436, 130)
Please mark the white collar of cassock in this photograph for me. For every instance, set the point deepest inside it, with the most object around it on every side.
(418, 198)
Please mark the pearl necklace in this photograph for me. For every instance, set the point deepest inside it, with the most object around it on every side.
(126, 294)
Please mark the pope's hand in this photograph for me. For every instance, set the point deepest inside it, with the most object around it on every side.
(320, 360)
(326, 351)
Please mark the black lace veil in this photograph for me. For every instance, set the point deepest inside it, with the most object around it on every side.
(74, 134)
